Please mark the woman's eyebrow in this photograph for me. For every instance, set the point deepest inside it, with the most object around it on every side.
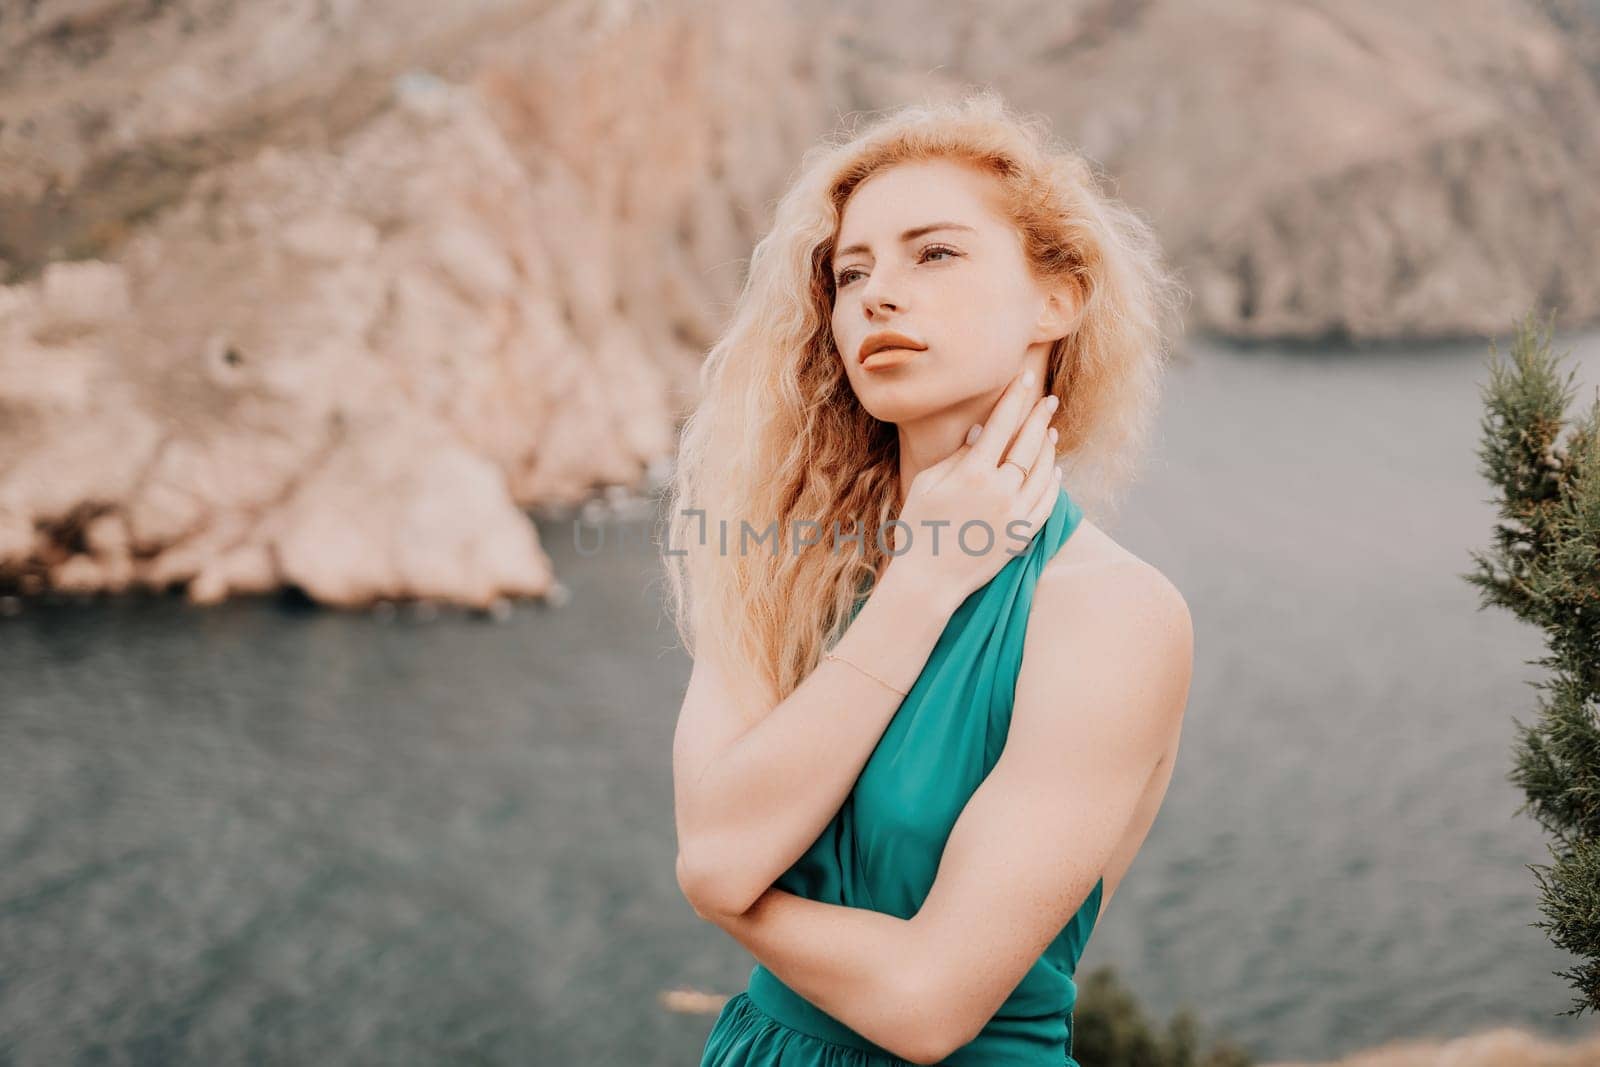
(911, 235)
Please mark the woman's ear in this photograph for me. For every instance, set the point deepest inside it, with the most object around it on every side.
(1059, 315)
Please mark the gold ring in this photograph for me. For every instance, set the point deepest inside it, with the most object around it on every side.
(1017, 465)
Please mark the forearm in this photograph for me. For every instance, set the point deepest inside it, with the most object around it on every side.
(763, 801)
(859, 966)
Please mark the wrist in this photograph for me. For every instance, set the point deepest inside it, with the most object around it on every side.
(906, 580)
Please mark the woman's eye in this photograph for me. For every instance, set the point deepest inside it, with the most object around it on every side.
(845, 276)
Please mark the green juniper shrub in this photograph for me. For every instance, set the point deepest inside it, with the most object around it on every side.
(1544, 567)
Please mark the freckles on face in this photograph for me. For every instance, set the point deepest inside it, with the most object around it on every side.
(924, 250)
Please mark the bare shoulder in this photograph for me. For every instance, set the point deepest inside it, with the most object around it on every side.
(1092, 565)
(1098, 598)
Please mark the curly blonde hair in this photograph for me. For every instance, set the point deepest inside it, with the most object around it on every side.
(779, 437)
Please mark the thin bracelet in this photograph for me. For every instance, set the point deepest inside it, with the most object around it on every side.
(863, 670)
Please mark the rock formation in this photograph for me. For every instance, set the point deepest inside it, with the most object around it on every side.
(345, 368)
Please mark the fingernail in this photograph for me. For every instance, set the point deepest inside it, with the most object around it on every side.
(1027, 377)
(1051, 401)
(1053, 435)
(972, 434)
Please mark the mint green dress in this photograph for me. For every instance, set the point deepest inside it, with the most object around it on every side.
(881, 851)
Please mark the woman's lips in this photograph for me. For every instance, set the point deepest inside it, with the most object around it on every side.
(889, 357)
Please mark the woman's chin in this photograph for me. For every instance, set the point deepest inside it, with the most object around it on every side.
(899, 406)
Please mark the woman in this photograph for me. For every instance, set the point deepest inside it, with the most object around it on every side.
(912, 806)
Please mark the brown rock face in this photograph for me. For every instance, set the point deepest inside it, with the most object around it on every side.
(347, 368)
(1359, 169)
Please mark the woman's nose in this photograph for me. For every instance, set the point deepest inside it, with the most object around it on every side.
(879, 292)
(879, 300)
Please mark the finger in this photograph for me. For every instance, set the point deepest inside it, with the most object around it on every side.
(1042, 481)
(1001, 425)
(1042, 501)
(962, 449)
(938, 470)
(1031, 437)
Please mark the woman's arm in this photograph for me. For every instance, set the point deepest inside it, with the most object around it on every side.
(846, 961)
(750, 799)
(1088, 730)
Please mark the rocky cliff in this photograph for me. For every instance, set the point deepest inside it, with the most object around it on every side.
(344, 359)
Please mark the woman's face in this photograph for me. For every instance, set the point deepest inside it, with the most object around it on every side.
(924, 251)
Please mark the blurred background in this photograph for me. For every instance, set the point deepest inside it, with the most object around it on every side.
(343, 345)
